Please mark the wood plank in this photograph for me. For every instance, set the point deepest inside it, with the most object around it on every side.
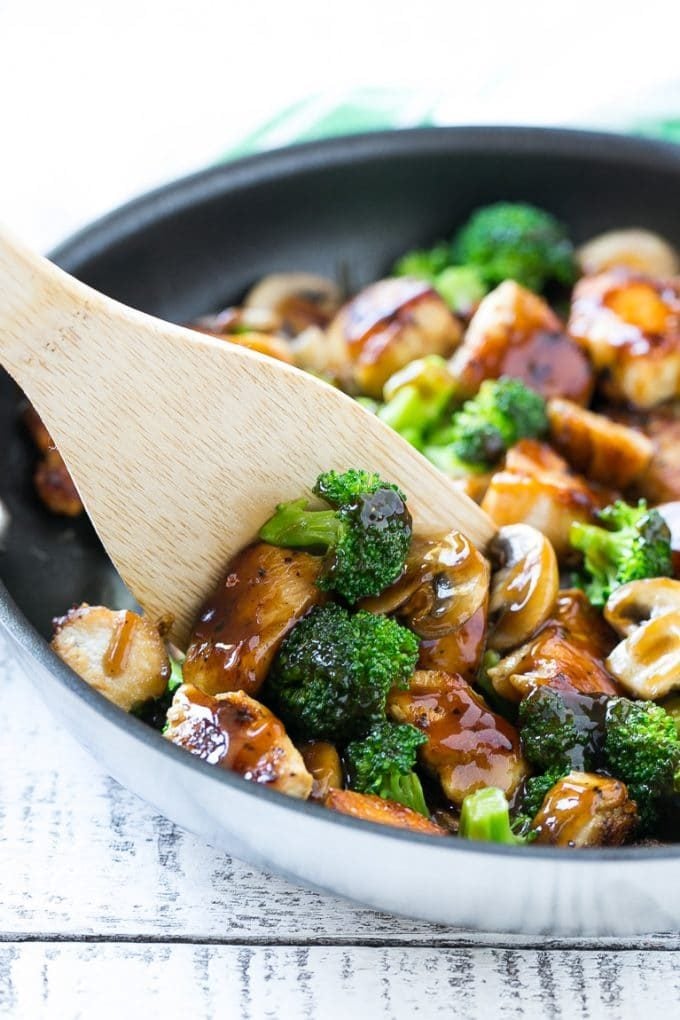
(86, 857)
(75, 979)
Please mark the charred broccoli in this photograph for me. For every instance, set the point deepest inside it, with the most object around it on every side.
(642, 748)
(634, 542)
(383, 763)
(366, 536)
(333, 672)
(503, 412)
(562, 730)
(516, 241)
(485, 815)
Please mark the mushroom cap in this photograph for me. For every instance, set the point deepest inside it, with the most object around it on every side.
(647, 663)
(633, 604)
(523, 588)
(633, 247)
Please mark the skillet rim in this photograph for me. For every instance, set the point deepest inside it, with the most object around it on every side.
(123, 223)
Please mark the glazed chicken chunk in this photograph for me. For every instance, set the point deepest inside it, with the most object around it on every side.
(383, 328)
(585, 810)
(236, 732)
(119, 653)
(514, 332)
(468, 746)
(630, 326)
(569, 651)
(265, 592)
(536, 487)
(596, 446)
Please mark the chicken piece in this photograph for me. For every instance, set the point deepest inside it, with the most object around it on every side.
(52, 480)
(383, 328)
(536, 488)
(236, 732)
(468, 746)
(582, 625)
(514, 332)
(323, 763)
(569, 651)
(118, 653)
(585, 810)
(660, 483)
(265, 592)
(630, 326)
(605, 451)
(370, 808)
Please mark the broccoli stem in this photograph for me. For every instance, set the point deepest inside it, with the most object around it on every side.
(404, 789)
(295, 527)
(485, 815)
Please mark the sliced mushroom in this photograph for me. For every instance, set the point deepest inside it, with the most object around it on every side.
(468, 746)
(323, 763)
(234, 320)
(118, 653)
(633, 248)
(443, 597)
(298, 300)
(524, 586)
(264, 593)
(585, 810)
(383, 328)
(370, 808)
(444, 585)
(635, 603)
(514, 332)
(236, 732)
(647, 663)
(598, 447)
(630, 326)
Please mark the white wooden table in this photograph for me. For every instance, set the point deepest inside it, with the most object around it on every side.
(107, 909)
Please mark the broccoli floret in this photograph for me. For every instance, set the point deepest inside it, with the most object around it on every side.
(503, 412)
(642, 748)
(562, 730)
(634, 542)
(333, 672)
(462, 287)
(416, 396)
(536, 788)
(366, 536)
(154, 711)
(383, 763)
(485, 815)
(424, 264)
(516, 241)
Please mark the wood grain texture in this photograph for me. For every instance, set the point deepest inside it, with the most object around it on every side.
(179, 469)
(307, 983)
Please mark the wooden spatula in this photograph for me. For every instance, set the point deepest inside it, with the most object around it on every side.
(181, 444)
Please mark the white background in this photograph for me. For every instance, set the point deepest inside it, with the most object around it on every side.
(99, 100)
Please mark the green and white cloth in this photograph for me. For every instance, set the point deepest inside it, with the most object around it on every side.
(330, 114)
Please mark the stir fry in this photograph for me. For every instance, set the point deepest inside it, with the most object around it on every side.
(524, 694)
